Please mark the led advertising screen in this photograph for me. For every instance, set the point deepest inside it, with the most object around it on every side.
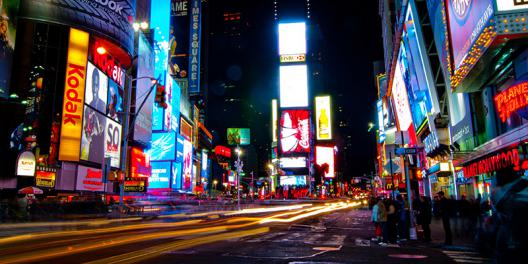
(292, 180)
(238, 136)
(45, 179)
(96, 88)
(294, 162)
(9, 11)
(179, 148)
(161, 173)
(292, 38)
(179, 38)
(323, 118)
(160, 26)
(163, 146)
(89, 179)
(325, 155)
(115, 101)
(381, 126)
(93, 135)
(175, 104)
(274, 119)
(187, 166)
(511, 5)
(167, 117)
(295, 131)
(112, 146)
(145, 68)
(467, 19)
(139, 163)
(158, 116)
(176, 176)
(205, 163)
(293, 86)
(186, 130)
(73, 102)
(399, 96)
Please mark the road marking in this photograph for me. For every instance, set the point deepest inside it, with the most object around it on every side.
(312, 240)
(362, 242)
(265, 237)
(466, 257)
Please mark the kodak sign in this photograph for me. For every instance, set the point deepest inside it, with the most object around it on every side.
(72, 106)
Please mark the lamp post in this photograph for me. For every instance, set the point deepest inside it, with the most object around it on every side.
(238, 165)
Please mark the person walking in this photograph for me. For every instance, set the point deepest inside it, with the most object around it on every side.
(392, 220)
(445, 213)
(424, 216)
(379, 218)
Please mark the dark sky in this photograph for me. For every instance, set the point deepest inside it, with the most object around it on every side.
(243, 69)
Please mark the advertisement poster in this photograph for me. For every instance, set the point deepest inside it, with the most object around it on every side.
(293, 86)
(8, 21)
(187, 166)
(160, 178)
(45, 179)
(175, 104)
(325, 155)
(108, 18)
(96, 88)
(438, 17)
(399, 95)
(157, 118)
(295, 131)
(139, 163)
(89, 179)
(179, 38)
(186, 130)
(323, 118)
(467, 19)
(26, 163)
(145, 67)
(93, 136)
(115, 101)
(159, 24)
(113, 142)
(176, 176)
(381, 126)
(195, 40)
(163, 146)
(238, 136)
(179, 148)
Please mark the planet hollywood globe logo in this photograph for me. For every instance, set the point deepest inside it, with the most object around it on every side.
(461, 8)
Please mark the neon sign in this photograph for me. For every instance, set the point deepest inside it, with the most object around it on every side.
(511, 100)
(499, 161)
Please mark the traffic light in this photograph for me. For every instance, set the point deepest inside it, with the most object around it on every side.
(160, 96)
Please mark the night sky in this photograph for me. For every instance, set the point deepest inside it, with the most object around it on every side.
(242, 70)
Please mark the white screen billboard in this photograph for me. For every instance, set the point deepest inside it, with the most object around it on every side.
(292, 38)
(510, 5)
(293, 86)
(296, 162)
(401, 101)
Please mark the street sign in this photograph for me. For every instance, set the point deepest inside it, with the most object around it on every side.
(405, 151)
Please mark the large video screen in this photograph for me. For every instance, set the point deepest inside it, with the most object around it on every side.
(325, 155)
(293, 86)
(93, 135)
(238, 136)
(323, 118)
(399, 96)
(96, 92)
(163, 146)
(187, 166)
(295, 131)
(145, 67)
(112, 146)
(292, 38)
(160, 177)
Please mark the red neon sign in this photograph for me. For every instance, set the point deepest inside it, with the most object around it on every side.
(108, 64)
(511, 100)
(139, 164)
(499, 161)
(223, 151)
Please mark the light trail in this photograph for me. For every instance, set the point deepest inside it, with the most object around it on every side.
(93, 222)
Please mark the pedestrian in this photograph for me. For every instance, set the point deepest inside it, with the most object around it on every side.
(392, 221)
(424, 216)
(445, 210)
(379, 218)
(402, 218)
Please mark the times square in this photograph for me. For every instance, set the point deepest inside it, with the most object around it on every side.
(263, 131)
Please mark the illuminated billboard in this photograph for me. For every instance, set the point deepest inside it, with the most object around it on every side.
(96, 88)
(294, 162)
(325, 155)
(139, 163)
(114, 100)
(292, 180)
(112, 145)
(89, 179)
(381, 126)
(93, 135)
(161, 173)
(145, 68)
(467, 19)
(176, 176)
(195, 40)
(511, 5)
(274, 119)
(292, 38)
(163, 146)
(186, 130)
(399, 96)
(73, 102)
(187, 166)
(160, 26)
(323, 118)
(295, 131)
(238, 136)
(179, 38)
(9, 10)
(293, 86)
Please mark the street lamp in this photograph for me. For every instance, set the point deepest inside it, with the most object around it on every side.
(238, 165)
(215, 182)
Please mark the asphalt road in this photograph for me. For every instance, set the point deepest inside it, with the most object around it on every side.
(319, 233)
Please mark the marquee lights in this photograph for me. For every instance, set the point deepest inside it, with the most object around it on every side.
(511, 100)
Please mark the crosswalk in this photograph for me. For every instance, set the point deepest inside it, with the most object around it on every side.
(309, 238)
(466, 257)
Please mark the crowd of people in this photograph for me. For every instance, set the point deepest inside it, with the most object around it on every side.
(292, 192)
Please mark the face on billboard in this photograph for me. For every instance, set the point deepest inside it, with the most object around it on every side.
(113, 142)
(115, 101)
(187, 165)
(293, 86)
(399, 95)
(163, 146)
(295, 131)
(325, 155)
(93, 136)
(323, 118)
(292, 38)
(238, 136)
(89, 179)
(96, 88)
(467, 19)
(161, 172)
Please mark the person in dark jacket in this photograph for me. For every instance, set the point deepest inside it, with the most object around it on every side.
(424, 216)
(445, 212)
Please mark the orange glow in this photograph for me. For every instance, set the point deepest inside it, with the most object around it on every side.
(101, 50)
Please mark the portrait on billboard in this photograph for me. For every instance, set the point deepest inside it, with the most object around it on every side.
(115, 101)
(96, 88)
(93, 136)
(295, 131)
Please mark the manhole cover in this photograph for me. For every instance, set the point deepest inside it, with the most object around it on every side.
(407, 256)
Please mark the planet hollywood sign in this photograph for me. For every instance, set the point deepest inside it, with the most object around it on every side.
(511, 100)
(501, 160)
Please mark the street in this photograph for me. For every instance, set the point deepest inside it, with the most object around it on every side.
(295, 233)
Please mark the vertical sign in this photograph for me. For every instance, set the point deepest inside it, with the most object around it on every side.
(179, 39)
(194, 56)
(323, 121)
(274, 121)
(72, 107)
